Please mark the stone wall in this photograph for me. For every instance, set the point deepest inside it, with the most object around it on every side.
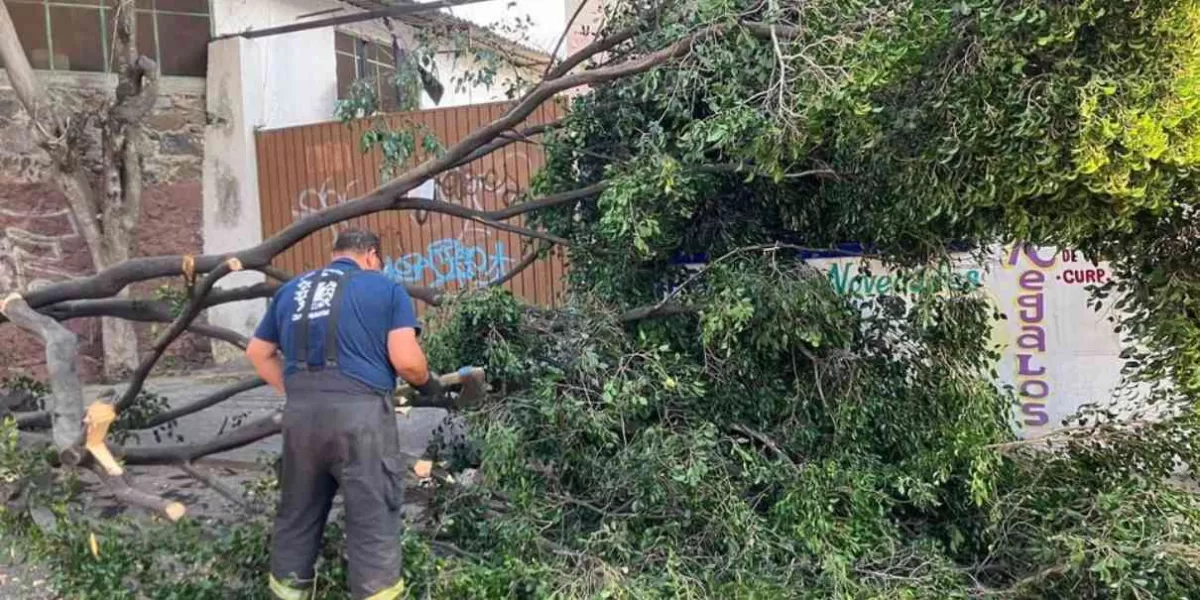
(38, 239)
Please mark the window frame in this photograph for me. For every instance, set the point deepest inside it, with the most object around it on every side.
(367, 65)
(104, 10)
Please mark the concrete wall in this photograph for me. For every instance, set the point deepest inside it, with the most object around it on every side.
(39, 242)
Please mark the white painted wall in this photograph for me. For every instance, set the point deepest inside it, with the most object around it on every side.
(296, 72)
(448, 65)
(230, 178)
(1057, 353)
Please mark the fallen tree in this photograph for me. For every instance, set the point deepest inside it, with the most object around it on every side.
(70, 299)
(741, 431)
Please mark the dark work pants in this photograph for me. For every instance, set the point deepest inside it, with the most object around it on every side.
(338, 434)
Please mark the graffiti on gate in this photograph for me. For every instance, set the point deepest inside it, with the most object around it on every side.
(30, 254)
(460, 186)
(316, 199)
(472, 190)
(449, 261)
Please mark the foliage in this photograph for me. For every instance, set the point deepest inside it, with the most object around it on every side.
(146, 407)
(767, 437)
(17, 464)
(33, 392)
(393, 136)
(777, 440)
(176, 298)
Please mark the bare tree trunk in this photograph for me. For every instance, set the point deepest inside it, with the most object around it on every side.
(105, 198)
(120, 345)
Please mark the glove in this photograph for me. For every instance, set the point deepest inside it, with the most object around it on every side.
(430, 393)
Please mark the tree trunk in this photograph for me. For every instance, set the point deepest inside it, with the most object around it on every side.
(120, 346)
(119, 338)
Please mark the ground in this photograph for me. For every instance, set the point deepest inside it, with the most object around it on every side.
(20, 579)
(30, 581)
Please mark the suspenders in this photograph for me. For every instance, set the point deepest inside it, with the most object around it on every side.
(322, 298)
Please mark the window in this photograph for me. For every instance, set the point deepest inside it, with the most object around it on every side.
(374, 64)
(77, 35)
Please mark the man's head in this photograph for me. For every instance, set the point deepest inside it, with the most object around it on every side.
(361, 246)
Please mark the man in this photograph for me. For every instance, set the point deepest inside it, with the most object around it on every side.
(345, 332)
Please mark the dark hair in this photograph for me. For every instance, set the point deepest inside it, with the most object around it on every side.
(358, 241)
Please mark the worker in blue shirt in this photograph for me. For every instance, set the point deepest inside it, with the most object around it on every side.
(346, 331)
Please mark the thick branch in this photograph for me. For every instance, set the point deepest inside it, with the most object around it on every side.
(61, 352)
(482, 218)
(212, 399)
(181, 323)
(275, 273)
(547, 202)
(599, 46)
(242, 436)
(20, 73)
(473, 391)
(505, 140)
(120, 487)
(34, 420)
(137, 91)
(657, 311)
(390, 196)
(145, 311)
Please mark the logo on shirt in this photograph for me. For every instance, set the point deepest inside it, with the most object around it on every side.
(322, 297)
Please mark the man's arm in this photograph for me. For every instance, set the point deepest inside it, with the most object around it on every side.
(406, 356)
(262, 347)
(404, 352)
(267, 363)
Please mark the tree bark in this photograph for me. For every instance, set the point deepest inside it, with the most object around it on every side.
(120, 345)
(67, 410)
(105, 208)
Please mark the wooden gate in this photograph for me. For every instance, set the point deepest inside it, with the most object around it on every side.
(305, 169)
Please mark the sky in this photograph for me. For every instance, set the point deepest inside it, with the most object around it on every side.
(549, 17)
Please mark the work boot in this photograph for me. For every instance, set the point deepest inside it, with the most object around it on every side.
(292, 590)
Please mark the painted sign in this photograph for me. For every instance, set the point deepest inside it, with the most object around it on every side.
(1057, 353)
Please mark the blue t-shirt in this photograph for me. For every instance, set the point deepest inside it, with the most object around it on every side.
(371, 306)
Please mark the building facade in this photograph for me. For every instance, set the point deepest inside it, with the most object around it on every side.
(216, 91)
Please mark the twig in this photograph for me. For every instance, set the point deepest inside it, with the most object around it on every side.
(528, 260)
(562, 38)
(764, 440)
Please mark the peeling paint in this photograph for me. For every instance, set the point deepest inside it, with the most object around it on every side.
(229, 207)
